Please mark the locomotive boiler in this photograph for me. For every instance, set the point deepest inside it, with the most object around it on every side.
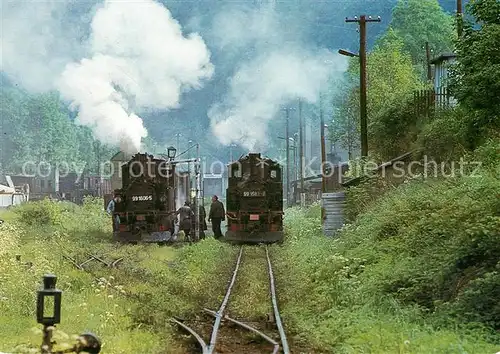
(254, 200)
(146, 210)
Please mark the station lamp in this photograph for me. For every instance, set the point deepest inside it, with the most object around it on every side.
(171, 151)
(48, 305)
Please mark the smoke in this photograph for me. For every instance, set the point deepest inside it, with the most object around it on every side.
(281, 71)
(139, 58)
(38, 40)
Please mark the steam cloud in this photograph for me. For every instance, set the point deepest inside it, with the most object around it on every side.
(139, 58)
(37, 42)
(280, 73)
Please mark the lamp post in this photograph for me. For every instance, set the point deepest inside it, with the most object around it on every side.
(171, 151)
(189, 164)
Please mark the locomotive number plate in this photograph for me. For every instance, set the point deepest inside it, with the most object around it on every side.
(141, 198)
(254, 194)
(254, 217)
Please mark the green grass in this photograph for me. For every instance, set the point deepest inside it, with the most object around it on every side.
(129, 308)
(417, 272)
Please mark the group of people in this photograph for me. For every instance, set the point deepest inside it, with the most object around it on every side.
(216, 215)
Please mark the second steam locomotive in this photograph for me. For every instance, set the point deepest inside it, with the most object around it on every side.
(254, 199)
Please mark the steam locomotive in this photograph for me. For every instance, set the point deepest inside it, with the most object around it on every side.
(254, 201)
(146, 210)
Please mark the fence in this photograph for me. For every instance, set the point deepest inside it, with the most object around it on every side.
(425, 102)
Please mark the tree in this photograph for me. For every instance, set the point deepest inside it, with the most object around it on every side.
(391, 76)
(420, 21)
(344, 128)
(391, 79)
(475, 80)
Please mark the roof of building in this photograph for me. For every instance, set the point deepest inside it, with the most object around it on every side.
(6, 189)
(443, 57)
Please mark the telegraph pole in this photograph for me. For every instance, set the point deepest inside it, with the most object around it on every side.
(459, 18)
(428, 55)
(323, 156)
(178, 135)
(301, 155)
(287, 135)
(362, 89)
(323, 148)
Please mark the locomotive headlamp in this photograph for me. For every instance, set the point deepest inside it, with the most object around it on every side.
(171, 151)
(48, 306)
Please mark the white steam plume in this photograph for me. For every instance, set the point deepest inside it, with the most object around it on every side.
(282, 71)
(259, 89)
(37, 41)
(139, 58)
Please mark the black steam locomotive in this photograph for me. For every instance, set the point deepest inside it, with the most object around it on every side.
(254, 201)
(146, 209)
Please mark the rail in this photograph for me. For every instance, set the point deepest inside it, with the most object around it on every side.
(213, 338)
(277, 317)
(219, 315)
(250, 328)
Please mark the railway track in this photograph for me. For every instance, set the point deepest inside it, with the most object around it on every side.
(226, 332)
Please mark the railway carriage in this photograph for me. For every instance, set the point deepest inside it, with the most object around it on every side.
(254, 200)
(147, 207)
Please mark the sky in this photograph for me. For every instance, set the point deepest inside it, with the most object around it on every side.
(130, 69)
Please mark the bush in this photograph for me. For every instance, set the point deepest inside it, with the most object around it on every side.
(447, 136)
(393, 130)
(416, 271)
(44, 212)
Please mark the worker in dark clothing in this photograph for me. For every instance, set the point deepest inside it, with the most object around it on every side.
(217, 214)
(203, 223)
(111, 209)
(186, 220)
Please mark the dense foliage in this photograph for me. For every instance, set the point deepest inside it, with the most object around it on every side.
(416, 272)
(39, 128)
(475, 80)
(396, 122)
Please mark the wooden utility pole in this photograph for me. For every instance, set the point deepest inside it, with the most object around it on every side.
(323, 156)
(362, 86)
(287, 138)
(301, 155)
(459, 18)
(428, 55)
(323, 148)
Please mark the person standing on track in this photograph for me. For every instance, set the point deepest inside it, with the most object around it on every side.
(203, 223)
(217, 214)
(186, 220)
